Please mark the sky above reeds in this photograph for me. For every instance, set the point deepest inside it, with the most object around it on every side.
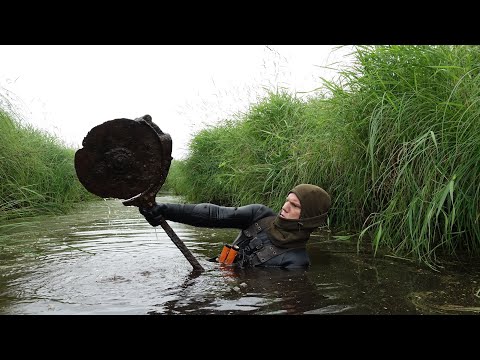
(68, 89)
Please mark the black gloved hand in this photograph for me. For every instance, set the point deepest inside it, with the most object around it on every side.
(155, 214)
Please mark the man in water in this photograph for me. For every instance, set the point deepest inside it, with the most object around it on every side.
(266, 239)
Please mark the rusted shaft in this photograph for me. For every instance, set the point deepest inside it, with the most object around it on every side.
(176, 240)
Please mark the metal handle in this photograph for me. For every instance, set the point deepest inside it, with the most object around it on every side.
(176, 240)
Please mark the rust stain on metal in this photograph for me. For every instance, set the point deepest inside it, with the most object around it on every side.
(125, 159)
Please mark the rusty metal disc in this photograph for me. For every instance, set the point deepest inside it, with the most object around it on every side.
(124, 158)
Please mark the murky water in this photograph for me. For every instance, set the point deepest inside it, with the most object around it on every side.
(106, 259)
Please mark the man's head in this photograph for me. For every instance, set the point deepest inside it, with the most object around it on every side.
(304, 210)
(305, 201)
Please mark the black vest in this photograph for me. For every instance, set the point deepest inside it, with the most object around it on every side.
(256, 249)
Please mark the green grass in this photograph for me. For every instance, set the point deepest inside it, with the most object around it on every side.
(36, 171)
(395, 140)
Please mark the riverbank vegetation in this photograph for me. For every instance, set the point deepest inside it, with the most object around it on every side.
(36, 172)
(395, 140)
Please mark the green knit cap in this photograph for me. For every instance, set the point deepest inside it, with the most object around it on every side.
(314, 200)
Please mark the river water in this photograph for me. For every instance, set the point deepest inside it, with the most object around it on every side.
(106, 259)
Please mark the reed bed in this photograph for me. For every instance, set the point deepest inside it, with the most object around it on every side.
(36, 171)
(395, 140)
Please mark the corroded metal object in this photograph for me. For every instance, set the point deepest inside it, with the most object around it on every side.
(128, 159)
(125, 159)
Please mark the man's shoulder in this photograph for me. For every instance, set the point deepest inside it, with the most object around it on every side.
(263, 211)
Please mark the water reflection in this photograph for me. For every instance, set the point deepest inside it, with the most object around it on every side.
(249, 291)
(106, 259)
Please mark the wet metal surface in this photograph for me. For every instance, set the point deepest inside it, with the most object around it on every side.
(123, 158)
(106, 259)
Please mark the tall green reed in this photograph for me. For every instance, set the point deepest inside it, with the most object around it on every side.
(418, 134)
(395, 140)
(36, 170)
(257, 158)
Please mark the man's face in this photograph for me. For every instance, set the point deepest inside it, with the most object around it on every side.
(292, 208)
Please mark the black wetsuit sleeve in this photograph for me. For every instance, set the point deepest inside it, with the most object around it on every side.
(211, 215)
